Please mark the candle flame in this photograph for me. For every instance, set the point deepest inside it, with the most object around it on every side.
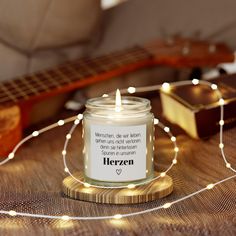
(118, 101)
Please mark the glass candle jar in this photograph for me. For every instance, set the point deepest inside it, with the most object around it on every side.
(118, 143)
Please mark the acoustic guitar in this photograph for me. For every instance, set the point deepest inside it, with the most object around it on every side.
(18, 96)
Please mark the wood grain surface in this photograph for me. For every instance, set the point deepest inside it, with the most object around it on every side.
(157, 189)
(32, 183)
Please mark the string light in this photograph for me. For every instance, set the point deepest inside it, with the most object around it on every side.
(156, 121)
(12, 213)
(117, 216)
(167, 205)
(131, 90)
(76, 120)
(65, 217)
(167, 129)
(60, 122)
(210, 186)
(35, 134)
(195, 81)
(165, 87)
(173, 138)
(221, 101)
(131, 186)
(214, 86)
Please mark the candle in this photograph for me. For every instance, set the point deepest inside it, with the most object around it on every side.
(118, 140)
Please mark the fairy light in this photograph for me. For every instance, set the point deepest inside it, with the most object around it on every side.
(65, 217)
(214, 86)
(131, 90)
(63, 152)
(165, 87)
(35, 133)
(176, 149)
(117, 216)
(12, 213)
(105, 95)
(195, 81)
(163, 174)
(87, 185)
(221, 122)
(210, 186)
(77, 120)
(173, 138)
(60, 122)
(156, 121)
(228, 165)
(130, 186)
(167, 205)
(80, 116)
(221, 101)
(11, 155)
(167, 129)
(221, 145)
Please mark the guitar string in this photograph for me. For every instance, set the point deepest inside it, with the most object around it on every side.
(119, 216)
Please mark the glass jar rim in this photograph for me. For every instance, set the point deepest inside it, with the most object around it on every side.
(130, 104)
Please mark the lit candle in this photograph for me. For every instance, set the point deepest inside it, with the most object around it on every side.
(118, 140)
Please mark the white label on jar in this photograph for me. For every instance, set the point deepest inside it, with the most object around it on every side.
(117, 153)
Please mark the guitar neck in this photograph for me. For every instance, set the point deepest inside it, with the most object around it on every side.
(72, 75)
(83, 72)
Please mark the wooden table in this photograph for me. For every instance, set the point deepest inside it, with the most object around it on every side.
(32, 183)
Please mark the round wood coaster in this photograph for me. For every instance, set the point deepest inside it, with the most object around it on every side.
(144, 193)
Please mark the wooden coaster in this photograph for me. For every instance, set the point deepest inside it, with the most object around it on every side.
(144, 193)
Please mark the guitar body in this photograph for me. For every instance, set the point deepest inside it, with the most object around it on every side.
(29, 99)
(10, 129)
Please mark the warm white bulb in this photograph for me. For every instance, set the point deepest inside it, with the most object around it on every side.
(117, 216)
(66, 170)
(163, 174)
(12, 213)
(176, 149)
(105, 95)
(221, 122)
(63, 152)
(173, 139)
(221, 101)
(167, 129)
(65, 217)
(174, 161)
(214, 86)
(131, 186)
(167, 205)
(35, 133)
(195, 81)
(68, 136)
(11, 155)
(131, 90)
(228, 165)
(156, 121)
(87, 185)
(76, 122)
(80, 116)
(61, 122)
(165, 87)
(221, 145)
(210, 186)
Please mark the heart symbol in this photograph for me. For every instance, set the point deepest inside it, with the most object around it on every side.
(118, 171)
